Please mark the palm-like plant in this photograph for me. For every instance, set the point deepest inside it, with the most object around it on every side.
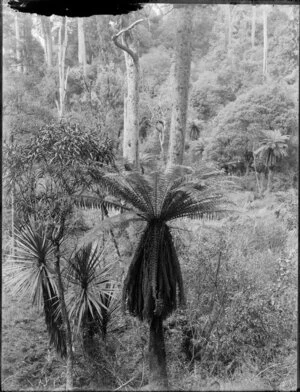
(89, 301)
(153, 286)
(30, 274)
(273, 147)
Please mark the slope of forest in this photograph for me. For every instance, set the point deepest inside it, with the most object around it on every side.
(213, 88)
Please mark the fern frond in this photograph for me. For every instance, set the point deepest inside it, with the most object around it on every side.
(94, 202)
(120, 186)
(144, 188)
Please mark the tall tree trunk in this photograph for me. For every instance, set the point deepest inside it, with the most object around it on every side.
(65, 317)
(131, 101)
(181, 84)
(265, 24)
(18, 44)
(28, 42)
(158, 379)
(48, 46)
(131, 125)
(81, 45)
(101, 39)
(253, 26)
(229, 27)
(62, 73)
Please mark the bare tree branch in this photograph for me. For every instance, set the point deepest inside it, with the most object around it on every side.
(129, 27)
(123, 47)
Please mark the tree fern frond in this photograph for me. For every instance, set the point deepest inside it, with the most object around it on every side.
(207, 215)
(144, 188)
(120, 185)
(94, 202)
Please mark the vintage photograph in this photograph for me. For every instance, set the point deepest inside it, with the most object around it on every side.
(150, 196)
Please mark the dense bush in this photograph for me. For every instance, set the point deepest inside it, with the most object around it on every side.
(208, 97)
(238, 127)
(235, 313)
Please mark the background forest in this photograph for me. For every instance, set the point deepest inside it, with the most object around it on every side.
(73, 101)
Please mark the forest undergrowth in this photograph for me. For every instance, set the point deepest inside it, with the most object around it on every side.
(238, 331)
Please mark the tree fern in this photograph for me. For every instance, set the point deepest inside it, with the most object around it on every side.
(153, 285)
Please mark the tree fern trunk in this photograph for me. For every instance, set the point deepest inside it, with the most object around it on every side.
(158, 378)
(269, 184)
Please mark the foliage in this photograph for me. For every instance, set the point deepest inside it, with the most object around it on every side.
(240, 322)
(89, 298)
(238, 126)
(234, 316)
(155, 67)
(31, 275)
(51, 167)
(208, 97)
(273, 147)
(97, 100)
(284, 41)
(24, 112)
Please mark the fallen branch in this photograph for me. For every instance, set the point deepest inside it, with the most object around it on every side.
(126, 383)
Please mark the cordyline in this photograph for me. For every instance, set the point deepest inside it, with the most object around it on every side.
(153, 286)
